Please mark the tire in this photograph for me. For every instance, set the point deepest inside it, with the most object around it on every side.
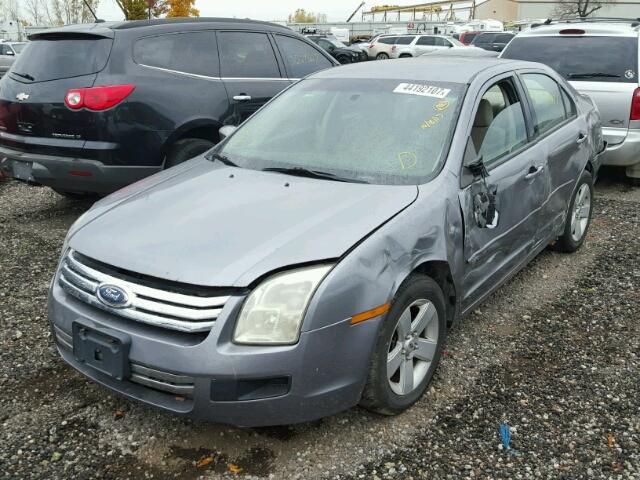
(186, 149)
(382, 56)
(405, 55)
(578, 216)
(382, 392)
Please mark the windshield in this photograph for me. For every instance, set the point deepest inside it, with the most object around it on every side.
(65, 57)
(18, 47)
(335, 42)
(581, 58)
(374, 131)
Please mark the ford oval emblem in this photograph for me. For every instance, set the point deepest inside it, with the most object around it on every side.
(113, 296)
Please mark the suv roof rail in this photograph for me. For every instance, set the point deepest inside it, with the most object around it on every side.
(635, 22)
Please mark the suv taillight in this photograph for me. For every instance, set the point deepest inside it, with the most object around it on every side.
(635, 105)
(97, 98)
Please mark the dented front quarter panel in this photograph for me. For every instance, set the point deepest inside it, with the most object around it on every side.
(430, 229)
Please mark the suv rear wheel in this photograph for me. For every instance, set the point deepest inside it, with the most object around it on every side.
(186, 149)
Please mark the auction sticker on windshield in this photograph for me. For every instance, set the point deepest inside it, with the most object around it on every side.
(422, 90)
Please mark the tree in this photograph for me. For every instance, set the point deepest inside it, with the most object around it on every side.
(579, 8)
(301, 16)
(139, 9)
(182, 8)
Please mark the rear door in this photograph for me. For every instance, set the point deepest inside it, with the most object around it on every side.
(250, 71)
(33, 116)
(425, 44)
(603, 67)
(563, 139)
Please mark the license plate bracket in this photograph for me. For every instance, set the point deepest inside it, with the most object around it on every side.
(103, 349)
(22, 170)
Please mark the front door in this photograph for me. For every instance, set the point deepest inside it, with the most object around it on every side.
(502, 210)
(250, 72)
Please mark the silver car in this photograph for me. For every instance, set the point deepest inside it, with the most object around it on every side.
(600, 59)
(8, 53)
(302, 267)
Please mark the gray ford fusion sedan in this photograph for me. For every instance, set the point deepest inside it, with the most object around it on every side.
(317, 256)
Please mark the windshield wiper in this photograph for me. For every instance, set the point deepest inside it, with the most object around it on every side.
(24, 75)
(305, 172)
(222, 158)
(593, 75)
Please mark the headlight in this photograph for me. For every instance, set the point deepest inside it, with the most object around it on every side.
(273, 312)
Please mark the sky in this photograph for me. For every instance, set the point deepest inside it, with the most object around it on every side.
(336, 10)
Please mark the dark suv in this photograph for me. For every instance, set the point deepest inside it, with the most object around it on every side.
(494, 41)
(92, 108)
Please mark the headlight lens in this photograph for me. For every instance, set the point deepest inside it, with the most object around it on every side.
(273, 312)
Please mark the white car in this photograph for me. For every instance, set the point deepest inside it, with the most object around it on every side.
(422, 44)
(381, 49)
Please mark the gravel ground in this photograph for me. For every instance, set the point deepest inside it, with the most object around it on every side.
(555, 354)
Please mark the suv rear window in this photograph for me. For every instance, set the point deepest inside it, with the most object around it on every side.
(573, 56)
(65, 57)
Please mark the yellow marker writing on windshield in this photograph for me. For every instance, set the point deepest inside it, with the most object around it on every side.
(407, 160)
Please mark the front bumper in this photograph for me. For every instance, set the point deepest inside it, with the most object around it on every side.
(69, 174)
(327, 367)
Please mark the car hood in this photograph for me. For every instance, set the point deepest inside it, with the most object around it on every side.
(213, 225)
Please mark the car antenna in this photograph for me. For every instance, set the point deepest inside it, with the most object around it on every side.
(92, 12)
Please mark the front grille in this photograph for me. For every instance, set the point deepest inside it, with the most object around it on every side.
(149, 377)
(151, 306)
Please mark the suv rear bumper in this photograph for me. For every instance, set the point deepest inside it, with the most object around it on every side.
(623, 154)
(69, 174)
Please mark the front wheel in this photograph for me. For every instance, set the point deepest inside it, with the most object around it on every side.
(578, 217)
(382, 56)
(408, 348)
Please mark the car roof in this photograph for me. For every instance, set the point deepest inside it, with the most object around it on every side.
(605, 28)
(106, 28)
(440, 69)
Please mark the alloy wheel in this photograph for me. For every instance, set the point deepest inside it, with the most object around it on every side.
(581, 212)
(413, 347)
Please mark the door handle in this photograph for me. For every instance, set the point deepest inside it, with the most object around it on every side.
(242, 98)
(581, 138)
(534, 172)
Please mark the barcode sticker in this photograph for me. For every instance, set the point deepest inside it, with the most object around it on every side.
(422, 90)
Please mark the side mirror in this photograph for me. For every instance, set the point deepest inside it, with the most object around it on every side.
(226, 131)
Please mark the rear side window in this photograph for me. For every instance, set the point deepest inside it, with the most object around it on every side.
(193, 52)
(547, 101)
(504, 38)
(581, 58)
(404, 40)
(300, 59)
(426, 41)
(247, 55)
(62, 57)
(483, 38)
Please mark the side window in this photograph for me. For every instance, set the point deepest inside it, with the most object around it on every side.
(441, 42)
(3, 49)
(247, 55)
(546, 100)
(428, 41)
(299, 58)
(322, 42)
(388, 40)
(504, 38)
(499, 126)
(193, 52)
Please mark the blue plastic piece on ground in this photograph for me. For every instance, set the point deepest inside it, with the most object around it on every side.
(505, 435)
